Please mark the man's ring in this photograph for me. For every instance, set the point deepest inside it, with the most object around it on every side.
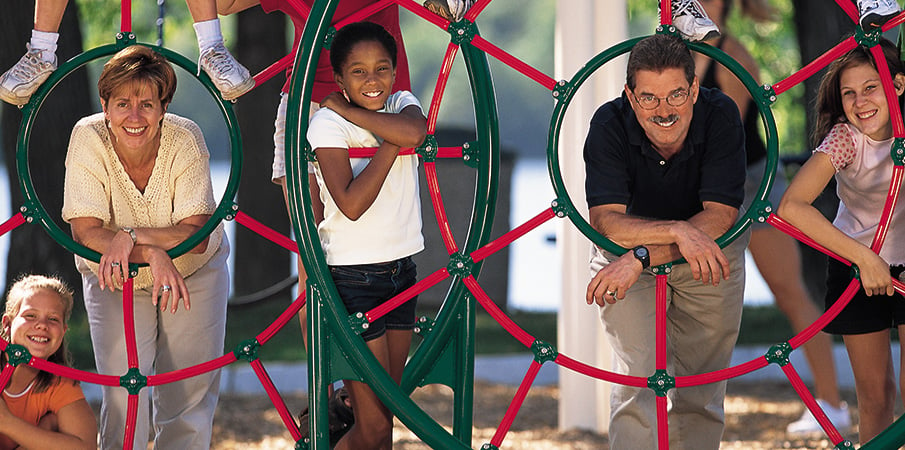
(166, 288)
(610, 293)
(114, 264)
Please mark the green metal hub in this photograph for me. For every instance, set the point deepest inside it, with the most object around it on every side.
(462, 32)
(661, 382)
(359, 323)
(868, 38)
(424, 326)
(247, 349)
(429, 149)
(897, 151)
(460, 265)
(779, 354)
(762, 210)
(17, 354)
(543, 351)
(133, 381)
(471, 154)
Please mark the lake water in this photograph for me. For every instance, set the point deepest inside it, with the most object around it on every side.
(532, 286)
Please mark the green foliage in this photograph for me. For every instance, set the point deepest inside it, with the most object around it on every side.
(775, 48)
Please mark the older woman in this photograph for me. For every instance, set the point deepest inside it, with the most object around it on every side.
(138, 183)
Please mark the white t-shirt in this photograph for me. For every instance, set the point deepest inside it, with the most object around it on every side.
(391, 228)
(863, 172)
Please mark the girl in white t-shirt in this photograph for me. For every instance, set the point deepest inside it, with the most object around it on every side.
(855, 132)
(372, 211)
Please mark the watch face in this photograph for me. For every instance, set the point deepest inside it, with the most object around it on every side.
(641, 252)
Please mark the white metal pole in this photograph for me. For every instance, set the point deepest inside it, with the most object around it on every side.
(584, 28)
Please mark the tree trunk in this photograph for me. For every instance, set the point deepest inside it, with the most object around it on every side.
(258, 263)
(31, 249)
(819, 26)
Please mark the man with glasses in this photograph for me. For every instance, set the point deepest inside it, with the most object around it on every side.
(665, 173)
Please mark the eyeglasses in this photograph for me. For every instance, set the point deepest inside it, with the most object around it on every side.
(677, 98)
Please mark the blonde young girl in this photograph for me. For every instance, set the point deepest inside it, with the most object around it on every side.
(40, 409)
(854, 129)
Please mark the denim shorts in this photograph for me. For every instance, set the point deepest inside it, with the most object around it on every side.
(364, 287)
(862, 314)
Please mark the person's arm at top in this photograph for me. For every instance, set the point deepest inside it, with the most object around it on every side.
(227, 7)
(796, 207)
(406, 129)
(75, 429)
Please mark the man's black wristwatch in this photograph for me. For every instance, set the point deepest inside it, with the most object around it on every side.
(642, 255)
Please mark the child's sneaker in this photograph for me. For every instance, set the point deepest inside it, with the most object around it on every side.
(451, 10)
(23, 79)
(808, 424)
(689, 17)
(874, 13)
(230, 78)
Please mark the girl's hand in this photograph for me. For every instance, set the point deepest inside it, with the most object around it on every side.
(114, 264)
(875, 277)
(338, 102)
(168, 283)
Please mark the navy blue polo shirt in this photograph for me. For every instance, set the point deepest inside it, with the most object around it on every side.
(623, 168)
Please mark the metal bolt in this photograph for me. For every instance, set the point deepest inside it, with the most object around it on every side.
(768, 209)
(556, 93)
(554, 203)
(417, 330)
(359, 315)
(23, 208)
(119, 35)
(29, 219)
(772, 98)
(460, 32)
(460, 264)
(760, 219)
(247, 348)
(133, 381)
(429, 148)
(466, 157)
(560, 214)
(365, 326)
(466, 145)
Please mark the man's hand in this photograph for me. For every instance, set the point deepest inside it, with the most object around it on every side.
(704, 256)
(613, 280)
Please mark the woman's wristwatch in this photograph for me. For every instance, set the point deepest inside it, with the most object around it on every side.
(131, 232)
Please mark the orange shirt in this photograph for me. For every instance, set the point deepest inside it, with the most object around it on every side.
(30, 406)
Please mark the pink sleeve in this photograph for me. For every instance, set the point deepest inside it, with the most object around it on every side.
(839, 145)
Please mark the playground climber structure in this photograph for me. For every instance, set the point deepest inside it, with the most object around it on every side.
(445, 354)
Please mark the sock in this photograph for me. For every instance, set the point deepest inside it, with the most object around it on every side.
(46, 41)
(208, 33)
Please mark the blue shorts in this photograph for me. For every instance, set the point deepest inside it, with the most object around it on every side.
(863, 314)
(364, 287)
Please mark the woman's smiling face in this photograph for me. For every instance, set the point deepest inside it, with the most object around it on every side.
(367, 75)
(134, 114)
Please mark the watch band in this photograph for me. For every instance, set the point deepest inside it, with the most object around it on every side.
(641, 253)
(131, 232)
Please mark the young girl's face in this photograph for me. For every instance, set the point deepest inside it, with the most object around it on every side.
(864, 102)
(39, 325)
(367, 75)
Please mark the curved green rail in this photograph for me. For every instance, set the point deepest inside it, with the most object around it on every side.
(760, 208)
(340, 348)
(33, 209)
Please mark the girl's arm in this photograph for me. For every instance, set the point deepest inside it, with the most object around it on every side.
(797, 208)
(76, 429)
(406, 129)
(354, 195)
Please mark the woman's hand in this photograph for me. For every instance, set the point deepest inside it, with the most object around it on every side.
(114, 263)
(168, 283)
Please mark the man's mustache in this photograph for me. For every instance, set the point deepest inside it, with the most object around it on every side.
(661, 120)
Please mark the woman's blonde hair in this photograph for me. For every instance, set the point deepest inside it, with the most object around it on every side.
(140, 64)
